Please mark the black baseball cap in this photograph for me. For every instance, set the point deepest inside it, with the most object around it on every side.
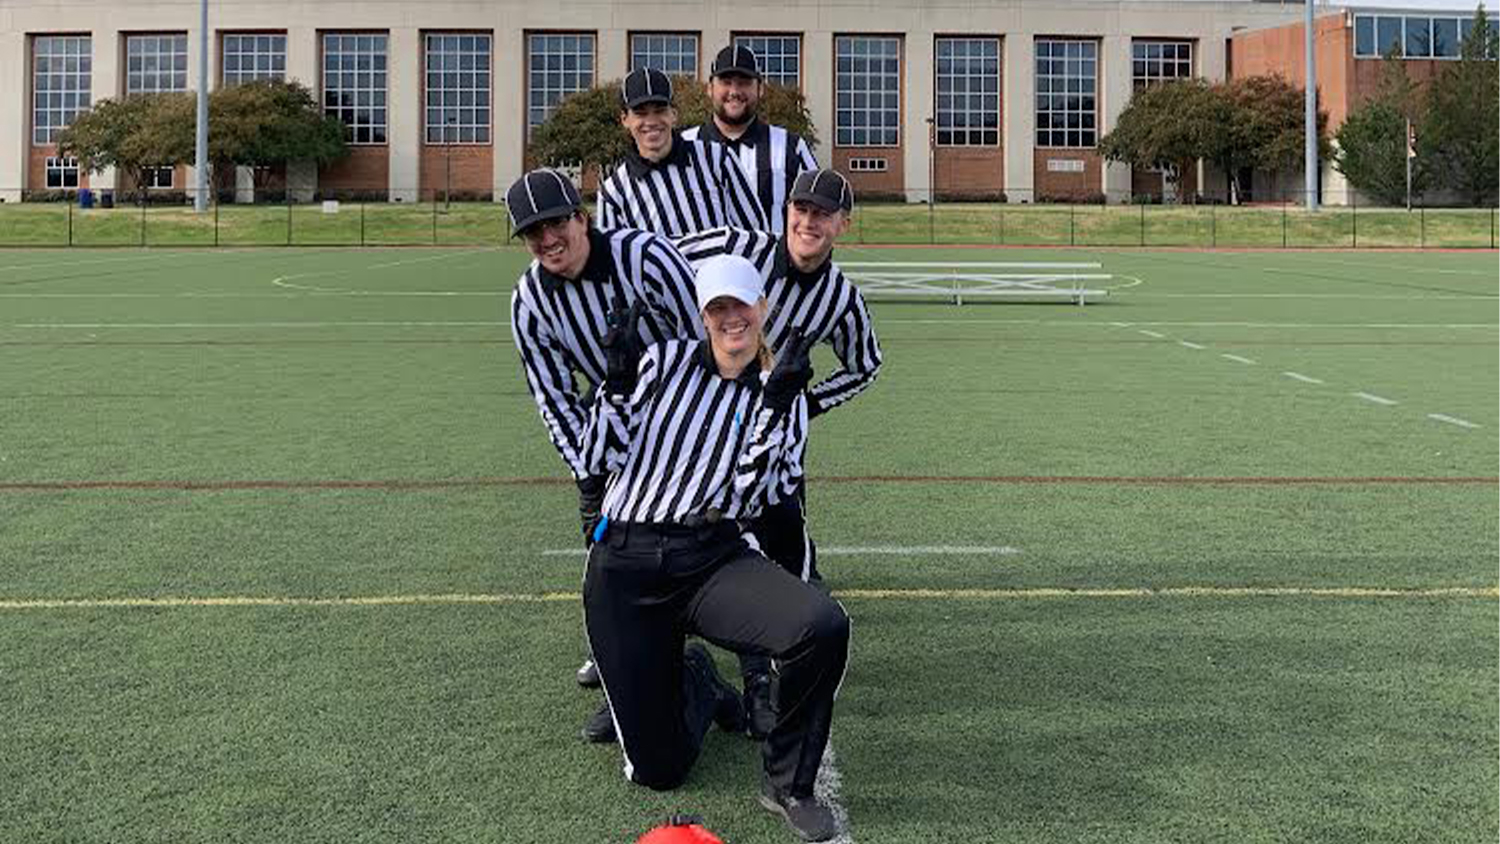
(735, 60)
(540, 195)
(827, 189)
(645, 85)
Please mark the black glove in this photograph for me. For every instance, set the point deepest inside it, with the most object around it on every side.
(622, 348)
(590, 499)
(792, 373)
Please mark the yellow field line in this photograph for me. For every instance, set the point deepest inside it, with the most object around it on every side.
(846, 594)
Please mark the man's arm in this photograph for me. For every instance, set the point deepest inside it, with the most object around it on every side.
(549, 377)
(668, 288)
(854, 343)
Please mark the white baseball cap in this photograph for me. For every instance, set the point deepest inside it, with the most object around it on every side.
(728, 275)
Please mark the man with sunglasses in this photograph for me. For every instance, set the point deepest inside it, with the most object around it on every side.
(578, 275)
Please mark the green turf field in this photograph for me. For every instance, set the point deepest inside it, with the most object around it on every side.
(1212, 560)
(455, 224)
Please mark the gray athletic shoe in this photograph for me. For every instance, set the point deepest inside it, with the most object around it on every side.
(588, 675)
(808, 816)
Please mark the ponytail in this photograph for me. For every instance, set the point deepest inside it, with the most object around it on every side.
(763, 353)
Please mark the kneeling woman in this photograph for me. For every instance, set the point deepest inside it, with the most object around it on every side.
(692, 435)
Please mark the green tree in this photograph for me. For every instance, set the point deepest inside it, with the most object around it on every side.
(1371, 149)
(132, 134)
(1168, 126)
(1266, 130)
(584, 130)
(1460, 139)
(269, 122)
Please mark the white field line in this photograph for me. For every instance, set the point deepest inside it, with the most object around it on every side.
(1237, 358)
(361, 324)
(1304, 378)
(464, 599)
(1156, 334)
(1171, 324)
(826, 788)
(868, 551)
(292, 292)
(1453, 297)
(1371, 397)
(972, 265)
(1452, 420)
(1190, 345)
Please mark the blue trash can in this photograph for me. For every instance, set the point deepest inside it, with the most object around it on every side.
(85, 198)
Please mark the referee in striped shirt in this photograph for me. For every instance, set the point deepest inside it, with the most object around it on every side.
(667, 183)
(807, 293)
(771, 156)
(669, 559)
(578, 273)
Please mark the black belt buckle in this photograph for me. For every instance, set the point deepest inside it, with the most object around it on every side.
(706, 524)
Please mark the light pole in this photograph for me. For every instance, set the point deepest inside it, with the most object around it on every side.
(448, 132)
(200, 152)
(1310, 118)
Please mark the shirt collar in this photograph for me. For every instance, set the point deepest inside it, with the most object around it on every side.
(749, 377)
(784, 268)
(600, 266)
(754, 134)
(639, 167)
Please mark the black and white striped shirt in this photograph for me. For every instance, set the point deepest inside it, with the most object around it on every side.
(696, 187)
(771, 158)
(823, 303)
(558, 323)
(689, 441)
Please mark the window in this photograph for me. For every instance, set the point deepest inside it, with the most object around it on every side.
(1418, 38)
(667, 52)
(968, 91)
(1364, 36)
(61, 81)
(62, 173)
(558, 65)
(867, 90)
(1376, 36)
(248, 58)
(354, 85)
(867, 165)
(1066, 101)
(1445, 38)
(458, 89)
(780, 57)
(1155, 62)
(155, 63)
(158, 177)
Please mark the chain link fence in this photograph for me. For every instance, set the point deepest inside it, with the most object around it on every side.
(1014, 218)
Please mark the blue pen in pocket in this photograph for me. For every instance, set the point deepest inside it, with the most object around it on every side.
(600, 528)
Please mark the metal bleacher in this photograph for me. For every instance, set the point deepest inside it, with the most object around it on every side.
(959, 280)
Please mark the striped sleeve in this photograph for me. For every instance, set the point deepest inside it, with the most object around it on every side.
(771, 454)
(667, 285)
(616, 419)
(757, 247)
(858, 350)
(805, 159)
(612, 213)
(549, 378)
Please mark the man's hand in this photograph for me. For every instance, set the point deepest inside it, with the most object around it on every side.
(622, 348)
(793, 371)
(590, 499)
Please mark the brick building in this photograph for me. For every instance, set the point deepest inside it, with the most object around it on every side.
(965, 99)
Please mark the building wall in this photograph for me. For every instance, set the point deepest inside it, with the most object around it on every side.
(406, 166)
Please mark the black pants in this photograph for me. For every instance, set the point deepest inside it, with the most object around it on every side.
(781, 532)
(650, 586)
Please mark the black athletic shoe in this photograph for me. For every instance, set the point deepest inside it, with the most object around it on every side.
(760, 706)
(809, 817)
(588, 675)
(600, 728)
(728, 712)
